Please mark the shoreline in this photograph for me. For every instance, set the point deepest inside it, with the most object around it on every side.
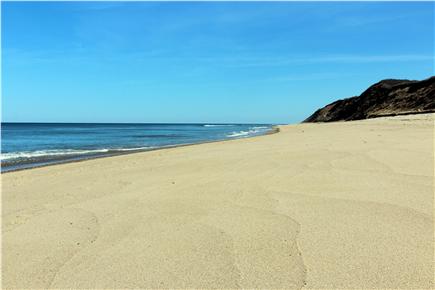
(274, 129)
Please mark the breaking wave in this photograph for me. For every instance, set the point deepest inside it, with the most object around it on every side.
(61, 153)
(251, 132)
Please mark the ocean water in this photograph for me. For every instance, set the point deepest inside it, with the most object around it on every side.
(25, 145)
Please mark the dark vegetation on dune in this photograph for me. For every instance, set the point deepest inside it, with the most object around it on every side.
(386, 98)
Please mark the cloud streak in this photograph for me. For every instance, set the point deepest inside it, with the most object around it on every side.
(243, 61)
(344, 59)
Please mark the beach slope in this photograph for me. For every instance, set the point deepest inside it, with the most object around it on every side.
(330, 205)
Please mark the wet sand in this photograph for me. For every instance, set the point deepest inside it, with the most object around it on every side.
(337, 205)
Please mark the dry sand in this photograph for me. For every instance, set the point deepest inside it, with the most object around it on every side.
(338, 205)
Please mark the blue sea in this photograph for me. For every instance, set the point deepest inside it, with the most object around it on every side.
(25, 145)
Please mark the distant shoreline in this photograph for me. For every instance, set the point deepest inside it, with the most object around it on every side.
(274, 129)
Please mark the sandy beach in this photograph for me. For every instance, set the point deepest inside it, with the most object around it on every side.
(333, 205)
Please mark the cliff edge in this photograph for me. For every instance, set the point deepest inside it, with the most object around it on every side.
(386, 98)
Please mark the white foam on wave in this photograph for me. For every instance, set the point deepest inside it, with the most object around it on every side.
(60, 152)
(260, 127)
(238, 134)
(251, 131)
(52, 152)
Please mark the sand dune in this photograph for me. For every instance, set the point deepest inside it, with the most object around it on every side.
(337, 205)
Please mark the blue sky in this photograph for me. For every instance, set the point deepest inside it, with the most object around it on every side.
(247, 62)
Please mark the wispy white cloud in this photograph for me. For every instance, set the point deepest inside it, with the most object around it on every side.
(373, 58)
(258, 62)
(253, 61)
(98, 5)
(166, 56)
(309, 77)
